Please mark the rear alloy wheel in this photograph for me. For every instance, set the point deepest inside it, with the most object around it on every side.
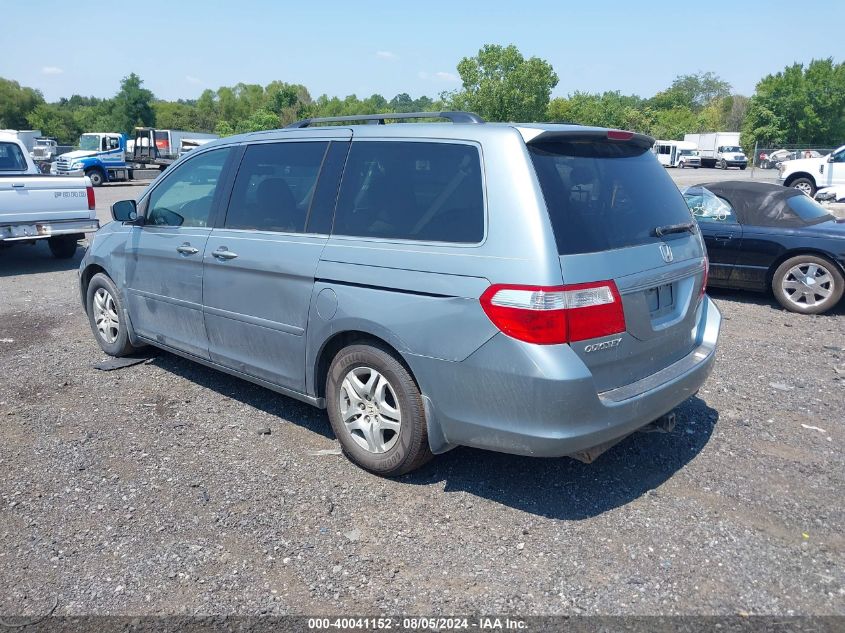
(376, 411)
(804, 185)
(807, 284)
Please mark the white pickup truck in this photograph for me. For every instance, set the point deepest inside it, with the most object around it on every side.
(811, 174)
(59, 209)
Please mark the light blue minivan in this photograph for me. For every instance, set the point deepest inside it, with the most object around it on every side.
(525, 288)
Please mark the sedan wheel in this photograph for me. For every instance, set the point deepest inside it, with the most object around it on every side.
(807, 284)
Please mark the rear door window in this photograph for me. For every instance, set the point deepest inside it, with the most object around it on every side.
(11, 157)
(275, 186)
(603, 195)
(412, 191)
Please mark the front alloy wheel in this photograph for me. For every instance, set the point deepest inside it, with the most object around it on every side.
(105, 316)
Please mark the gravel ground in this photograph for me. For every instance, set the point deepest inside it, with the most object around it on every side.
(152, 489)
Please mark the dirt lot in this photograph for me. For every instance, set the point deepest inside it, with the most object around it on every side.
(150, 490)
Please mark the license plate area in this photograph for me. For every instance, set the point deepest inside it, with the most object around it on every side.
(660, 300)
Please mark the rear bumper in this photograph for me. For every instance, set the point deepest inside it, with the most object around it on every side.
(21, 232)
(541, 400)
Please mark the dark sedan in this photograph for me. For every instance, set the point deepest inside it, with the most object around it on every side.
(762, 235)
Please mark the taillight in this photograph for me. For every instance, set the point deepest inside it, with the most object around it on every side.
(619, 135)
(550, 315)
(92, 204)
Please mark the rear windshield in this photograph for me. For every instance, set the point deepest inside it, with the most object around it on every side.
(11, 158)
(603, 196)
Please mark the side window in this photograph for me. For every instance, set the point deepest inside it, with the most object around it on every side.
(839, 157)
(11, 157)
(114, 142)
(412, 191)
(184, 198)
(708, 207)
(275, 185)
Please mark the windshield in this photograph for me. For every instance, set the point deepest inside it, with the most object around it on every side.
(42, 143)
(89, 142)
(603, 196)
(732, 148)
(688, 152)
(809, 210)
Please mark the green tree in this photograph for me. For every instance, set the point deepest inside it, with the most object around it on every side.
(609, 109)
(133, 105)
(501, 85)
(697, 90)
(16, 102)
(798, 105)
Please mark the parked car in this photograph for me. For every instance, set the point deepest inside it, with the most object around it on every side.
(530, 289)
(762, 236)
(35, 207)
(808, 175)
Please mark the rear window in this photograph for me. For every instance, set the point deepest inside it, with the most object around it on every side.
(809, 210)
(412, 191)
(11, 158)
(603, 196)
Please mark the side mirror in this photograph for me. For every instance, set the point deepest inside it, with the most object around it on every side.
(830, 158)
(125, 211)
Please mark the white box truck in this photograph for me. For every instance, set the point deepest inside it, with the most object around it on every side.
(719, 149)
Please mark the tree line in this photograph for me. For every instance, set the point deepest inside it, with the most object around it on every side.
(801, 104)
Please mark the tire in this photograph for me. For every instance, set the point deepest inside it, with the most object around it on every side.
(723, 164)
(742, 167)
(681, 165)
(695, 167)
(804, 185)
(389, 436)
(114, 338)
(62, 247)
(97, 177)
(796, 296)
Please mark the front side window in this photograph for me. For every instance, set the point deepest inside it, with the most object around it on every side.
(11, 157)
(839, 157)
(412, 191)
(275, 186)
(185, 197)
(708, 207)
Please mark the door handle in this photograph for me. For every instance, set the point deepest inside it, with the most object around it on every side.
(224, 253)
(723, 236)
(18, 185)
(187, 249)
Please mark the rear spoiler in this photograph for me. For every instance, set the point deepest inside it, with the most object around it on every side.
(614, 136)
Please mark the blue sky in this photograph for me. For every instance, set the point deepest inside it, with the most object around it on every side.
(390, 47)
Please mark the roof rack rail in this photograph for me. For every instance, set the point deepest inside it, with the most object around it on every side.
(454, 117)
